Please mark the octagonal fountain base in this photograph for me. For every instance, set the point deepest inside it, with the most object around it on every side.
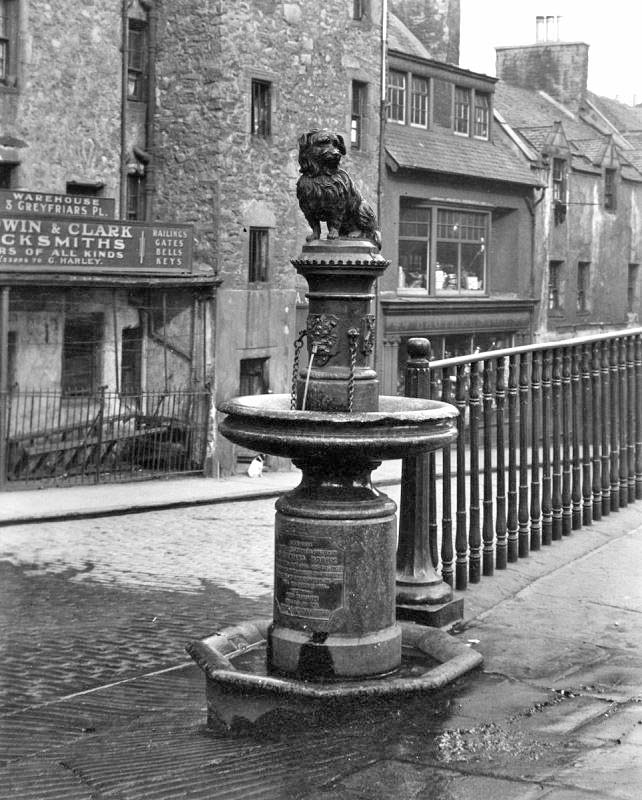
(243, 695)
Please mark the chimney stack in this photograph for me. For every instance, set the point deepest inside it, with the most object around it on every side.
(558, 68)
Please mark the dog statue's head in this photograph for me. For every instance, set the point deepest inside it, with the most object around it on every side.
(320, 151)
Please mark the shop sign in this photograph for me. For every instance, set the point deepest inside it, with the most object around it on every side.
(43, 204)
(62, 245)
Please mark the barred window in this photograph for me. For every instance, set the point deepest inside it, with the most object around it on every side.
(137, 60)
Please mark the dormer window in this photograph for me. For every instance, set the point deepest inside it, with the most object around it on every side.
(482, 115)
(462, 110)
(559, 180)
(397, 96)
(609, 189)
(419, 101)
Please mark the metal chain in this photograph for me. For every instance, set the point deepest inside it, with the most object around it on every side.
(298, 344)
(353, 336)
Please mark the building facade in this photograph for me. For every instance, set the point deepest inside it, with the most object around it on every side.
(457, 215)
(588, 239)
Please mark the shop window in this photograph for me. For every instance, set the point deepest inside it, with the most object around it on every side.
(632, 290)
(482, 115)
(93, 189)
(397, 96)
(555, 299)
(136, 60)
(609, 189)
(583, 278)
(419, 99)
(460, 254)
(261, 120)
(462, 110)
(253, 376)
(8, 41)
(82, 345)
(258, 256)
(414, 247)
(359, 97)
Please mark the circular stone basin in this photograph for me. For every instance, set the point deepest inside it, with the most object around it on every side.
(403, 426)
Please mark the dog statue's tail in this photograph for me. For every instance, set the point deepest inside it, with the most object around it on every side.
(368, 223)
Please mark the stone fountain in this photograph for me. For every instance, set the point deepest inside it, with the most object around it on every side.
(334, 632)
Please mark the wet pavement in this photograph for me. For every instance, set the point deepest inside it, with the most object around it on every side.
(100, 700)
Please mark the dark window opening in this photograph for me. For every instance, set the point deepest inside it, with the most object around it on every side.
(82, 342)
(359, 8)
(8, 41)
(609, 189)
(254, 376)
(632, 292)
(131, 356)
(6, 174)
(261, 124)
(84, 189)
(137, 60)
(583, 275)
(358, 114)
(136, 197)
(258, 260)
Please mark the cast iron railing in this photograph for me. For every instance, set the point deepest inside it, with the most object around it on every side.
(550, 440)
(50, 437)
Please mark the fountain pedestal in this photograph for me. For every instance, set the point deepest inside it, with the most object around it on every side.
(334, 610)
(334, 632)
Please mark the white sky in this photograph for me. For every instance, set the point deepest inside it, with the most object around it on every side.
(612, 28)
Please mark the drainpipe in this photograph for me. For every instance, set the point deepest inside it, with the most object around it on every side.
(152, 47)
(382, 149)
(4, 381)
(123, 110)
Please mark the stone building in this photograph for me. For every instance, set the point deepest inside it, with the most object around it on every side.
(456, 214)
(588, 234)
(98, 300)
(237, 84)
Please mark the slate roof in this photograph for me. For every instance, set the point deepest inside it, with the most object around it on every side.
(625, 118)
(402, 39)
(533, 115)
(440, 150)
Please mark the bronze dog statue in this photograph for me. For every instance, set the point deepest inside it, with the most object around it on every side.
(328, 194)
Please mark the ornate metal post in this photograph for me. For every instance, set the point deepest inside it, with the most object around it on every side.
(422, 595)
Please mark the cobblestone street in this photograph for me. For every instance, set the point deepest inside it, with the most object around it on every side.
(101, 701)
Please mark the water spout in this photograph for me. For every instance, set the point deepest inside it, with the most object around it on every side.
(307, 377)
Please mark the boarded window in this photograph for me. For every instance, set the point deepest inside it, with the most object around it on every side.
(258, 257)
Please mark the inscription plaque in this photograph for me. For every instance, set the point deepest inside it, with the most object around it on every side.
(309, 576)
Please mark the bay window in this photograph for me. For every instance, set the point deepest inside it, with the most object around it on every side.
(460, 251)
(414, 247)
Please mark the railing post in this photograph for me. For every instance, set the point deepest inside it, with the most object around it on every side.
(422, 596)
(606, 430)
(630, 422)
(488, 531)
(638, 417)
(536, 415)
(500, 516)
(624, 458)
(557, 436)
(587, 414)
(523, 456)
(567, 416)
(447, 550)
(615, 428)
(474, 532)
(547, 417)
(512, 525)
(461, 538)
(576, 489)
